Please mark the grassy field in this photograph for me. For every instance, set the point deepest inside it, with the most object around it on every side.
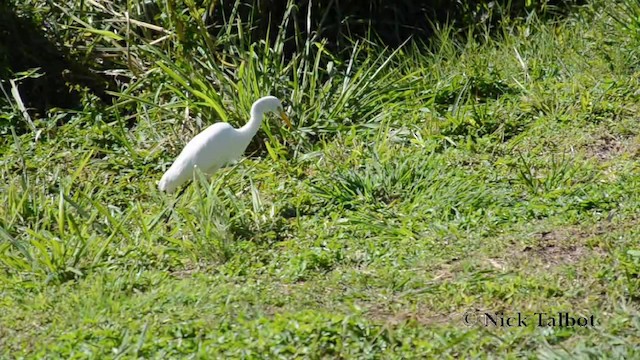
(420, 189)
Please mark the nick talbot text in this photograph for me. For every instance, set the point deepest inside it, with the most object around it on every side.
(540, 319)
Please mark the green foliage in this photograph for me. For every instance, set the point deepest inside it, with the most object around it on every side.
(627, 15)
(493, 173)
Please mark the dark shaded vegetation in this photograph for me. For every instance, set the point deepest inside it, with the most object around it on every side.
(66, 70)
(390, 22)
(24, 45)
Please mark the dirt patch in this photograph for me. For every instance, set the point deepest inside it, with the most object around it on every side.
(554, 255)
(190, 269)
(608, 147)
(422, 315)
(562, 246)
(184, 274)
(547, 247)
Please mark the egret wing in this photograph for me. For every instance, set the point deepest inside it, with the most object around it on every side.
(205, 151)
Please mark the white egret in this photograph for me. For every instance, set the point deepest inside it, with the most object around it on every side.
(217, 145)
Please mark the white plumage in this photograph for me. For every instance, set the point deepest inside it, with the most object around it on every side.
(217, 145)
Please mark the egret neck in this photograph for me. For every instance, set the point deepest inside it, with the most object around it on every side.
(252, 126)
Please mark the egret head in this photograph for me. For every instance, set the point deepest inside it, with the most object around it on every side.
(270, 104)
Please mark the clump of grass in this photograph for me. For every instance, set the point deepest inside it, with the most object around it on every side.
(419, 182)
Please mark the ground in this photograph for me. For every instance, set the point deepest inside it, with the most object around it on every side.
(498, 175)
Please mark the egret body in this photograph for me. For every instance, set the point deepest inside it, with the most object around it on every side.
(217, 145)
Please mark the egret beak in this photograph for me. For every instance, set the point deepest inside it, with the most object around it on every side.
(285, 118)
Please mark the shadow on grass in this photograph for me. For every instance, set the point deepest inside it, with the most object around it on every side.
(24, 46)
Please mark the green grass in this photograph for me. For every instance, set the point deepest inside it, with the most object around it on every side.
(498, 174)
